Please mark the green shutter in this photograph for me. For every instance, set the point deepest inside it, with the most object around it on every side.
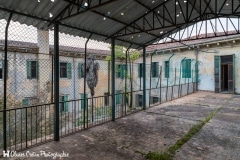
(166, 69)
(25, 102)
(118, 98)
(216, 73)
(37, 69)
(157, 69)
(122, 67)
(28, 69)
(189, 68)
(82, 100)
(79, 70)
(66, 103)
(154, 68)
(69, 70)
(184, 67)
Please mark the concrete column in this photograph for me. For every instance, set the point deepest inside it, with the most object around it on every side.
(44, 67)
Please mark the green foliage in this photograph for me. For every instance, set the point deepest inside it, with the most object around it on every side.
(121, 55)
(158, 156)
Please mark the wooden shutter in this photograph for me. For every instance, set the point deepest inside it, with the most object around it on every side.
(28, 69)
(69, 70)
(140, 69)
(216, 73)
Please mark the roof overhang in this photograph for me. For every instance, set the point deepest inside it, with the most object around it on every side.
(129, 22)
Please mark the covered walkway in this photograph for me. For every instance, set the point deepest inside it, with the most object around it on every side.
(158, 128)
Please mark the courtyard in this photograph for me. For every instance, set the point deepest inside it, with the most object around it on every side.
(158, 128)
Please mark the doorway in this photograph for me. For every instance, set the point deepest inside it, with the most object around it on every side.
(224, 73)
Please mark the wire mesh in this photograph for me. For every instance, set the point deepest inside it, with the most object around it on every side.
(30, 84)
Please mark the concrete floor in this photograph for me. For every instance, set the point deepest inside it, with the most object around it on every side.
(158, 128)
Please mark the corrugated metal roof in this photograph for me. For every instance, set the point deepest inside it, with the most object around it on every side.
(119, 14)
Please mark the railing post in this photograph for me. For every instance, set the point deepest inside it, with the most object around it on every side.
(113, 78)
(85, 99)
(56, 82)
(144, 78)
(5, 86)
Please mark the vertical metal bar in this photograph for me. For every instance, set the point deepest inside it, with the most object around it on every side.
(56, 82)
(160, 84)
(85, 100)
(144, 78)
(113, 78)
(150, 83)
(5, 85)
(126, 75)
(168, 75)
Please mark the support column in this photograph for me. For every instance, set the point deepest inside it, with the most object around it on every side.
(5, 85)
(144, 78)
(113, 78)
(56, 82)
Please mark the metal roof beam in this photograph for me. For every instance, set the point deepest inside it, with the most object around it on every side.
(140, 17)
(86, 9)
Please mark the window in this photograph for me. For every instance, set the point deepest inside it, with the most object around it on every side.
(121, 70)
(80, 75)
(106, 98)
(154, 100)
(166, 69)
(140, 70)
(65, 70)
(139, 100)
(63, 105)
(186, 68)
(82, 100)
(32, 69)
(154, 69)
(1, 69)
(25, 102)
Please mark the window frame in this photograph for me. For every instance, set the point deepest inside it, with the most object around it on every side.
(32, 70)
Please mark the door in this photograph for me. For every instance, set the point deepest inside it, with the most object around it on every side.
(230, 78)
(216, 73)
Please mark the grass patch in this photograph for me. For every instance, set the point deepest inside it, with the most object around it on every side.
(171, 151)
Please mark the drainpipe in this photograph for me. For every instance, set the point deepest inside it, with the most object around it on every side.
(5, 85)
(85, 109)
(196, 52)
(180, 77)
(168, 75)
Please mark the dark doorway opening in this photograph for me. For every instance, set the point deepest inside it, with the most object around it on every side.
(227, 81)
(224, 77)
